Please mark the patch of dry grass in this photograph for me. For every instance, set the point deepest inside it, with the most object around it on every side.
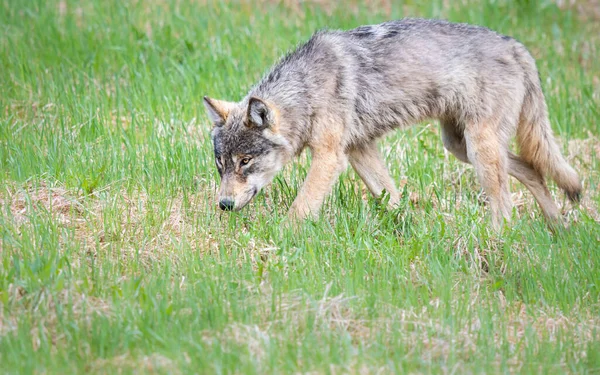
(422, 331)
(42, 310)
(136, 364)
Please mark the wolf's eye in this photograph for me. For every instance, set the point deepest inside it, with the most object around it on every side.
(244, 161)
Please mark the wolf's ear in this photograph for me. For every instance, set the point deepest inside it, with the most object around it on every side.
(218, 110)
(260, 114)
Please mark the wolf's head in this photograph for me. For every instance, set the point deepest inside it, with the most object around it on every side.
(249, 150)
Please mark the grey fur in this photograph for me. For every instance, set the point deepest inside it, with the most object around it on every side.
(342, 90)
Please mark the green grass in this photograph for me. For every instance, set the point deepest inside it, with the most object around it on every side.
(115, 259)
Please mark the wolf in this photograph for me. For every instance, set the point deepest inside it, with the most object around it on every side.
(341, 91)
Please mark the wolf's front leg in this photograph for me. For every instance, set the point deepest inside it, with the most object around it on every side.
(327, 165)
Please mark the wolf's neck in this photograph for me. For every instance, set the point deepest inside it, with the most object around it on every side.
(293, 86)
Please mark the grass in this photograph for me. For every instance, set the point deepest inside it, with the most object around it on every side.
(115, 259)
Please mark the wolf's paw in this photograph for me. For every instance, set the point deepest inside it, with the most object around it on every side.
(292, 221)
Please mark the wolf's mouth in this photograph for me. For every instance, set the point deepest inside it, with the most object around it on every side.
(254, 192)
(237, 207)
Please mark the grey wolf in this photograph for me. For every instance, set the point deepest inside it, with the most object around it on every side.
(341, 91)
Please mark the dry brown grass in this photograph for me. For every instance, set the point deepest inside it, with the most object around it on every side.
(142, 229)
(588, 10)
(28, 201)
(136, 364)
(42, 309)
(422, 331)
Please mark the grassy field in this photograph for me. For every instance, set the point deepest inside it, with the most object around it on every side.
(115, 259)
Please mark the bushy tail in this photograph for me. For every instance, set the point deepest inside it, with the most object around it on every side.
(535, 137)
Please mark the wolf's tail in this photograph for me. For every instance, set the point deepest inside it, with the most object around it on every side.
(534, 134)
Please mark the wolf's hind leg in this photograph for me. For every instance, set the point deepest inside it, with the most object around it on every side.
(487, 154)
(534, 181)
(370, 166)
(455, 143)
(487, 151)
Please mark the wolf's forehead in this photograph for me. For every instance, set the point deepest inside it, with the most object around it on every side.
(236, 118)
(243, 141)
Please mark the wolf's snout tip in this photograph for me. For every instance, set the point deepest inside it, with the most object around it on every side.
(226, 204)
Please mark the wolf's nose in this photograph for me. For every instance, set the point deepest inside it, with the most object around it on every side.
(226, 204)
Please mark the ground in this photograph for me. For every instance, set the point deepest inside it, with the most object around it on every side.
(115, 259)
